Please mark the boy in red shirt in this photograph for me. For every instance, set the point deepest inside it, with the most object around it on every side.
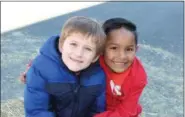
(126, 77)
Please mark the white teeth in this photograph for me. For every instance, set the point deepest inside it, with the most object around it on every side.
(120, 63)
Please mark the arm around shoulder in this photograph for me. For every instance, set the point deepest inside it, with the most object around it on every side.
(99, 104)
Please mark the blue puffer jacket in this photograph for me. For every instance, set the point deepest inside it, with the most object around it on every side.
(53, 91)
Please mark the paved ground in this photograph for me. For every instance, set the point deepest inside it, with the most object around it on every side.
(160, 26)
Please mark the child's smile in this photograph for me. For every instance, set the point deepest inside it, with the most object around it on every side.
(76, 60)
(120, 63)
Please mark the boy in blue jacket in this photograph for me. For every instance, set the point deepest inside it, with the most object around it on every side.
(65, 80)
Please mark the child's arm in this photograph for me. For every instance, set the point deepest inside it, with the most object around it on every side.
(98, 106)
(36, 100)
(128, 106)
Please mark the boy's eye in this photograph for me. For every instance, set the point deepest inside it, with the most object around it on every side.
(113, 48)
(129, 49)
(73, 44)
(88, 49)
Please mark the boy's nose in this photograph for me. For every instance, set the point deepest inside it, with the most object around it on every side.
(122, 55)
(79, 52)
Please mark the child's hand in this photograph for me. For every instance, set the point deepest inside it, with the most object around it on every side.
(22, 76)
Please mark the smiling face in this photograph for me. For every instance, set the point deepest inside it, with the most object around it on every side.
(120, 49)
(78, 51)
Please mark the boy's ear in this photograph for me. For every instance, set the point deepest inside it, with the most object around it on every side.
(95, 59)
(60, 47)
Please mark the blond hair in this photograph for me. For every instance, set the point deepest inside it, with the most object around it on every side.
(86, 26)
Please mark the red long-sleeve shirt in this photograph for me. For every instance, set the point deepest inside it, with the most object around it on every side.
(123, 90)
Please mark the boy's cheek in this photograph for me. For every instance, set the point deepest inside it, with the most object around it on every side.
(109, 54)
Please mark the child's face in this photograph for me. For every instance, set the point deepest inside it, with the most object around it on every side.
(120, 50)
(78, 52)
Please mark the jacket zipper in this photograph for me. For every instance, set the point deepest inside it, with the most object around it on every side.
(75, 108)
